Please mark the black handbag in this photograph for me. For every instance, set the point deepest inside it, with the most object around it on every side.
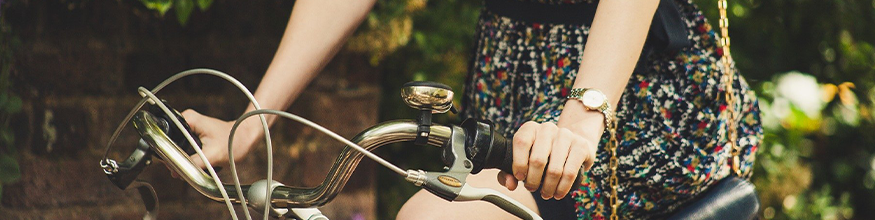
(733, 197)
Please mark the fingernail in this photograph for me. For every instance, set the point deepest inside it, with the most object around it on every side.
(520, 176)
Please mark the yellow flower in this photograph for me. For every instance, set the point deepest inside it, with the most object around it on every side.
(630, 135)
(698, 76)
(642, 93)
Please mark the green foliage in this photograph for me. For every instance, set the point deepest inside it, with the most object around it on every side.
(816, 149)
(183, 8)
(831, 40)
(203, 5)
(813, 164)
(9, 170)
(10, 104)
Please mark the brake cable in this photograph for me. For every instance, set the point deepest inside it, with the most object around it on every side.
(306, 122)
(110, 165)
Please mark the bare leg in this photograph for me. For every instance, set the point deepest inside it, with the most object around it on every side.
(424, 206)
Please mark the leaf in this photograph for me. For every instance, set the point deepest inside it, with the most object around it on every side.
(9, 170)
(828, 91)
(6, 137)
(13, 104)
(183, 10)
(846, 94)
(204, 4)
(162, 6)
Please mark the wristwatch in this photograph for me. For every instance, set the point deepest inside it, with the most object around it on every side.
(594, 100)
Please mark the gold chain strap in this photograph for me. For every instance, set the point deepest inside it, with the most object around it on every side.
(613, 163)
(728, 79)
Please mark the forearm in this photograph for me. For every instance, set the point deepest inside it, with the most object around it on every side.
(613, 47)
(315, 32)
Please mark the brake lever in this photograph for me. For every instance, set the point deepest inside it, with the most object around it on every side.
(451, 185)
(470, 193)
(149, 197)
(124, 173)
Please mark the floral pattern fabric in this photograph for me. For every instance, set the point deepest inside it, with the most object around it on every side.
(671, 117)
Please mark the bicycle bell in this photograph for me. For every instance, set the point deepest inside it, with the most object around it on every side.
(424, 95)
(429, 98)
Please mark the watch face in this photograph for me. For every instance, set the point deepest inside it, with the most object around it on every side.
(593, 99)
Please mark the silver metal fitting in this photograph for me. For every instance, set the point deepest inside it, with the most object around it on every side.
(309, 214)
(109, 166)
(144, 95)
(256, 198)
(417, 177)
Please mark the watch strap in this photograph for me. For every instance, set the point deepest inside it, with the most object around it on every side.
(604, 108)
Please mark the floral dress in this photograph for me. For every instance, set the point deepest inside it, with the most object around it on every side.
(671, 122)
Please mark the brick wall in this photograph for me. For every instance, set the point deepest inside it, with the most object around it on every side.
(77, 69)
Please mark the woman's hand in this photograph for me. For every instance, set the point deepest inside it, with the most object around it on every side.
(214, 137)
(554, 152)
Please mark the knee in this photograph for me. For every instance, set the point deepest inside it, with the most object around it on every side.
(416, 208)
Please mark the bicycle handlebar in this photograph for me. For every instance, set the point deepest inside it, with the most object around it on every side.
(482, 146)
(293, 197)
(463, 149)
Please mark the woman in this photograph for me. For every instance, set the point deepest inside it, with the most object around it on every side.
(530, 57)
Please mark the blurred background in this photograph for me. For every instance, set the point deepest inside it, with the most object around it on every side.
(69, 70)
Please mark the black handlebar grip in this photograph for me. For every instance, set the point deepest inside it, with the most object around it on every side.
(486, 148)
(502, 154)
(502, 158)
(173, 132)
(489, 150)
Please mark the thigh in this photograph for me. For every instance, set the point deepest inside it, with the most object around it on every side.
(424, 205)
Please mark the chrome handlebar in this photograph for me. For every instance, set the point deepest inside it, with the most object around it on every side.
(284, 196)
(466, 149)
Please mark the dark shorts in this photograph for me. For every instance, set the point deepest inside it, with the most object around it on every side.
(555, 209)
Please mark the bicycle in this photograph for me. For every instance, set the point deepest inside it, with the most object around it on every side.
(467, 148)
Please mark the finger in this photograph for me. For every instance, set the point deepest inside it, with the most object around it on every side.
(203, 125)
(590, 148)
(522, 143)
(200, 125)
(507, 180)
(555, 167)
(540, 153)
(172, 173)
(576, 155)
(196, 160)
(194, 120)
(215, 156)
(511, 181)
